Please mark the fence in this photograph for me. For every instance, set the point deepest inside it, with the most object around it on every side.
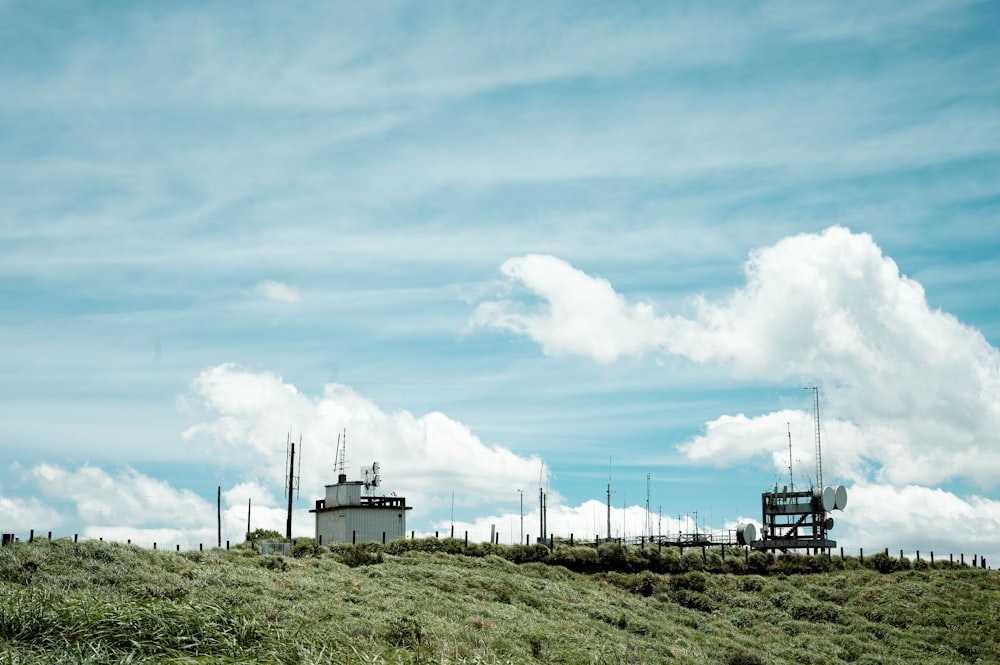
(706, 545)
(11, 538)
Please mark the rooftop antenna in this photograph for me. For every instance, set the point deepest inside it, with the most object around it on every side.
(292, 486)
(819, 454)
(791, 478)
(336, 454)
(341, 459)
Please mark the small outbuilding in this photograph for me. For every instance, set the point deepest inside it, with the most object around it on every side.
(351, 513)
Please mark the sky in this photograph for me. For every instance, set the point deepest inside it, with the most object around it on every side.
(496, 248)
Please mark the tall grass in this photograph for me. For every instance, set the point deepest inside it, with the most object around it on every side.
(442, 602)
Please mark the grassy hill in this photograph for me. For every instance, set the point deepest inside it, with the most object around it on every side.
(442, 602)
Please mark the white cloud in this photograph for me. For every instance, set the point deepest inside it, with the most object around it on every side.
(583, 522)
(131, 506)
(248, 416)
(919, 518)
(584, 315)
(277, 291)
(129, 498)
(20, 515)
(918, 391)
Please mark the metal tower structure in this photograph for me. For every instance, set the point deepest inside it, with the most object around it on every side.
(819, 451)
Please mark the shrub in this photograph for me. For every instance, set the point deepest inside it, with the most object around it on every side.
(815, 612)
(263, 535)
(883, 563)
(526, 553)
(693, 600)
(579, 559)
(759, 563)
(693, 581)
(692, 560)
(612, 557)
(404, 631)
(303, 547)
(276, 563)
(360, 556)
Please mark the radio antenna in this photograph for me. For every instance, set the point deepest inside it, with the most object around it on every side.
(292, 487)
(791, 477)
(819, 452)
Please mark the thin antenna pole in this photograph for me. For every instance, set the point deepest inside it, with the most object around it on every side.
(298, 475)
(521, 493)
(249, 501)
(791, 478)
(609, 498)
(218, 499)
(291, 486)
(819, 452)
(649, 519)
(543, 516)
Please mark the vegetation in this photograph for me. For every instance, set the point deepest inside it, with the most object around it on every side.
(442, 601)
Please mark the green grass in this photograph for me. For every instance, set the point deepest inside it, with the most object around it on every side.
(441, 602)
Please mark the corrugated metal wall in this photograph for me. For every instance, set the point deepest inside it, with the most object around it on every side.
(360, 524)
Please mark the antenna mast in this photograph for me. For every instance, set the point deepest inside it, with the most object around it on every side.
(609, 498)
(292, 488)
(819, 453)
(543, 517)
(649, 518)
(791, 478)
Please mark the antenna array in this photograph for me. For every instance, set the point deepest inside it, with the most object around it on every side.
(819, 452)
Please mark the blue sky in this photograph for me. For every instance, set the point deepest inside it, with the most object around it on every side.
(484, 239)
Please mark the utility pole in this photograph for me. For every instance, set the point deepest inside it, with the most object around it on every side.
(249, 501)
(293, 484)
(218, 499)
(291, 480)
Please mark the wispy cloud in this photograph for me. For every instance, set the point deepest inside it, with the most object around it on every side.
(277, 291)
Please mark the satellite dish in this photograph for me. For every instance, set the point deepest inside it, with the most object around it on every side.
(829, 499)
(746, 533)
(828, 523)
(840, 497)
(824, 498)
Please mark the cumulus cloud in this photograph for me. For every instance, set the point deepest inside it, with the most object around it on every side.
(129, 498)
(276, 291)
(584, 315)
(20, 514)
(918, 392)
(920, 518)
(248, 416)
(131, 506)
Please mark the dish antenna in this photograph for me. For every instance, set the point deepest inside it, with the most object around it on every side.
(370, 476)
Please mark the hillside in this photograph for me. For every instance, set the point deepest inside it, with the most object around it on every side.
(94, 602)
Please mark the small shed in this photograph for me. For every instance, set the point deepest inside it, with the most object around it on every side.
(350, 514)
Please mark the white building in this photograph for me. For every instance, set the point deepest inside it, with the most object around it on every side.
(347, 516)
